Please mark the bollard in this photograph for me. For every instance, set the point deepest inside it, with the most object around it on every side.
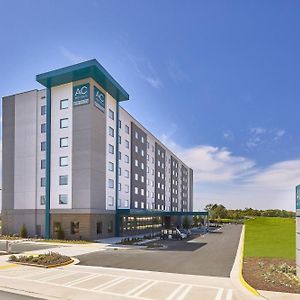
(8, 247)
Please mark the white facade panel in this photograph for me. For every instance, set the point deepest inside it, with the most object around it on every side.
(62, 92)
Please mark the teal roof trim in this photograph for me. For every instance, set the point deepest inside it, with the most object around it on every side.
(137, 212)
(91, 68)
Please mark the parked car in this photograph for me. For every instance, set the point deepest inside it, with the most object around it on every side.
(188, 232)
(172, 233)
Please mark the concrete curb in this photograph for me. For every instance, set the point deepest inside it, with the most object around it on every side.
(236, 274)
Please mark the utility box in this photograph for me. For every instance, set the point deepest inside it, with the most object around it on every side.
(298, 229)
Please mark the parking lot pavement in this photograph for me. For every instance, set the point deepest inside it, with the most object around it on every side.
(83, 282)
(11, 296)
(19, 246)
(209, 255)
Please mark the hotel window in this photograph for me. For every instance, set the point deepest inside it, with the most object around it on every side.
(158, 196)
(152, 148)
(111, 149)
(148, 145)
(63, 180)
(142, 152)
(142, 166)
(120, 187)
(43, 146)
(120, 171)
(136, 135)
(158, 163)
(63, 142)
(148, 169)
(136, 205)
(136, 190)
(64, 104)
(64, 123)
(126, 203)
(111, 131)
(126, 173)
(43, 110)
(162, 155)
(42, 200)
(43, 181)
(136, 163)
(120, 124)
(142, 205)
(142, 192)
(136, 176)
(110, 183)
(148, 193)
(111, 114)
(158, 152)
(127, 144)
(136, 149)
(120, 155)
(110, 166)
(110, 200)
(120, 140)
(126, 158)
(126, 188)
(142, 179)
(74, 227)
(63, 199)
(143, 140)
(99, 227)
(148, 157)
(43, 164)
(126, 129)
(63, 161)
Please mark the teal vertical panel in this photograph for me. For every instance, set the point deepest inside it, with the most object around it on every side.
(48, 163)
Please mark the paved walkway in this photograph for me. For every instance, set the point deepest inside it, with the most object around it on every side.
(79, 282)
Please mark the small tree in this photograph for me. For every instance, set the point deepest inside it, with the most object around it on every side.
(185, 222)
(23, 231)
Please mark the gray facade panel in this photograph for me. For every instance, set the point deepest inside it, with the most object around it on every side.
(8, 151)
(191, 191)
(160, 177)
(141, 173)
(174, 184)
(184, 188)
(89, 157)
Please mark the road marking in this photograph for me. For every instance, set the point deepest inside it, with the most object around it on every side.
(132, 291)
(80, 280)
(219, 294)
(100, 286)
(185, 292)
(144, 289)
(8, 266)
(54, 276)
(229, 294)
(176, 291)
(112, 284)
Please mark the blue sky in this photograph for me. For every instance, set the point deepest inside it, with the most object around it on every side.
(218, 81)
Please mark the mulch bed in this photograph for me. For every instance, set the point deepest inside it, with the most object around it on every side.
(271, 274)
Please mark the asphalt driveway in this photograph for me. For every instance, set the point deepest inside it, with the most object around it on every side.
(210, 255)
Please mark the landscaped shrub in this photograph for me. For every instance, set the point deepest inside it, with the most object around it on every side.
(23, 231)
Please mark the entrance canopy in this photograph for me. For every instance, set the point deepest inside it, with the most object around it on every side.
(157, 213)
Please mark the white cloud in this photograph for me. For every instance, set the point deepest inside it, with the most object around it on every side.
(236, 181)
(175, 72)
(146, 71)
(228, 135)
(73, 58)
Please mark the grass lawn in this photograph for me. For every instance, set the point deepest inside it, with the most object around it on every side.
(270, 237)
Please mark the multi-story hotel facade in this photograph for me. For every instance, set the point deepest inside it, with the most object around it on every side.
(73, 157)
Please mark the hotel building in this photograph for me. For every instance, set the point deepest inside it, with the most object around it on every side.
(73, 157)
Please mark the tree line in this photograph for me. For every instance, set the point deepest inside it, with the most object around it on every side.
(219, 211)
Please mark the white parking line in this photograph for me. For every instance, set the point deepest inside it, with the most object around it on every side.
(229, 294)
(100, 286)
(145, 289)
(55, 276)
(80, 280)
(132, 291)
(184, 293)
(112, 284)
(219, 294)
(176, 291)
